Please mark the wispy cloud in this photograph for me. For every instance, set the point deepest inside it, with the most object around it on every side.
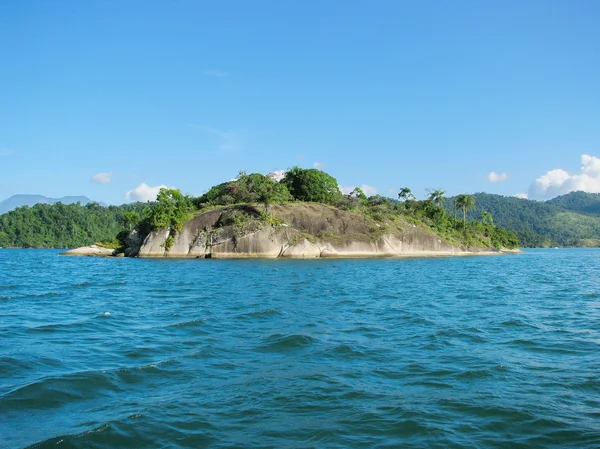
(497, 177)
(102, 178)
(6, 151)
(319, 165)
(227, 141)
(216, 73)
(143, 193)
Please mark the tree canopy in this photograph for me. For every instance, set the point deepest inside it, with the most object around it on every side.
(64, 225)
(312, 185)
(246, 189)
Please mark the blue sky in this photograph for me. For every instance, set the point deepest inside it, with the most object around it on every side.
(384, 94)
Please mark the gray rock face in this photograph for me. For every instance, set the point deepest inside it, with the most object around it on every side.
(306, 231)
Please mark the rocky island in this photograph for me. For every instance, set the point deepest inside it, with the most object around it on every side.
(302, 216)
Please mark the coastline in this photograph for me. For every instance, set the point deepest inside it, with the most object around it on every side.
(95, 251)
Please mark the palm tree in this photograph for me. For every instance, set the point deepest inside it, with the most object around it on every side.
(266, 196)
(466, 202)
(437, 197)
(486, 218)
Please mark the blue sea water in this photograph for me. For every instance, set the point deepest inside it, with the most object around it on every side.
(471, 352)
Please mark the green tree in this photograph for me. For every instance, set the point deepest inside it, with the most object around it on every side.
(405, 194)
(465, 202)
(266, 195)
(130, 219)
(358, 193)
(311, 185)
(437, 197)
(170, 210)
(246, 189)
(486, 218)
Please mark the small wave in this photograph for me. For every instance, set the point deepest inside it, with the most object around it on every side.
(189, 323)
(113, 284)
(475, 374)
(60, 440)
(43, 295)
(515, 323)
(590, 383)
(8, 287)
(348, 351)
(280, 343)
(57, 327)
(266, 313)
(82, 285)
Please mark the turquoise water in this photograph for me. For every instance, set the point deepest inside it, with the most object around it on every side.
(453, 352)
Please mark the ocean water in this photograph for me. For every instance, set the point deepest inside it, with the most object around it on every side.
(470, 352)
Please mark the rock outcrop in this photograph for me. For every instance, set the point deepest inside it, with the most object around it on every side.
(93, 250)
(297, 230)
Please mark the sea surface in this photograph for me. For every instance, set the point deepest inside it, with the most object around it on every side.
(469, 352)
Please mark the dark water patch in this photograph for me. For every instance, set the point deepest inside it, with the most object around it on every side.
(283, 343)
(188, 324)
(82, 285)
(348, 351)
(42, 295)
(260, 314)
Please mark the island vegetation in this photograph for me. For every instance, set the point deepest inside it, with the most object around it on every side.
(478, 220)
(59, 225)
(172, 208)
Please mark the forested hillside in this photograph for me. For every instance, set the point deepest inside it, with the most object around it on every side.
(588, 203)
(567, 220)
(65, 225)
(542, 224)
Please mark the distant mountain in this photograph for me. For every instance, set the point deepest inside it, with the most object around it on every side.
(30, 200)
(567, 220)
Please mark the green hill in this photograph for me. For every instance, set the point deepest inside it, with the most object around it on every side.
(63, 225)
(583, 202)
(558, 222)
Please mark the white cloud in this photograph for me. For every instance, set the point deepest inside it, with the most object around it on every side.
(216, 73)
(367, 189)
(319, 165)
(559, 182)
(6, 151)
(521, 195)
(277, 175)
(102, 178)
(143, 193)
(497, 177)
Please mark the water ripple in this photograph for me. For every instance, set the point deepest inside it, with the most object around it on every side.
(431, 353)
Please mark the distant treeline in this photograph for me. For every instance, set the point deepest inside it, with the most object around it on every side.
(67, 226)
(64, 225)
(567, 220)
